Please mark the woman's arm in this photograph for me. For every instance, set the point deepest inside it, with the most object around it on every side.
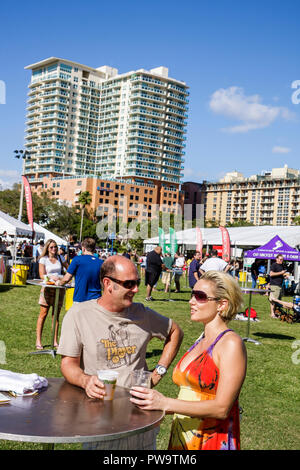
(232, 369)
(42, 270)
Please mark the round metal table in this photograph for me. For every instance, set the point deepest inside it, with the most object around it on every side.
(250, 291)
(64, 413)
(40, 283)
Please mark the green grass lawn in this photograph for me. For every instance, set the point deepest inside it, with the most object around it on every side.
(270, 397)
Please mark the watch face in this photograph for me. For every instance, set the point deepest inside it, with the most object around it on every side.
(161, 370)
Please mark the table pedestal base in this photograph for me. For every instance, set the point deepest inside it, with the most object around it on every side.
(52, 352)
(250, 340)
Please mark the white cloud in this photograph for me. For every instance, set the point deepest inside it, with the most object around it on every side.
(248, 110)
(278, 149)
(8, 178)
(10, 173)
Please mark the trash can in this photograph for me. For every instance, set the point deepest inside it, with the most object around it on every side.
(69, 298)
(19, 274)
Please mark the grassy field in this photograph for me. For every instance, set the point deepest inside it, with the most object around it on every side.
(270, 397)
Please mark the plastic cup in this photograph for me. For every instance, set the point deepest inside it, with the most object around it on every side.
(141, 378)
(109, 379)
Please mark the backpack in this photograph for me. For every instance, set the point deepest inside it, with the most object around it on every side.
(253, 313)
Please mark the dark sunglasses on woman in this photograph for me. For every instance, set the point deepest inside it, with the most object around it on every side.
(201, 296)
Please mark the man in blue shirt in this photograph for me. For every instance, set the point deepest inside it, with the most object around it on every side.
(86, 269)
(194, 274)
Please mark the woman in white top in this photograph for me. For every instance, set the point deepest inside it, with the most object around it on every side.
(52, 264)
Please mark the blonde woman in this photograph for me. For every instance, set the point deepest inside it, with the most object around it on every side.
(52, 264)
(210, 374)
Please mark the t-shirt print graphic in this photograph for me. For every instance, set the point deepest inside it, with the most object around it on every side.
(116, 349)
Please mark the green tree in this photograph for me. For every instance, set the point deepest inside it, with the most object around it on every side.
(84, 199)
(296, 220)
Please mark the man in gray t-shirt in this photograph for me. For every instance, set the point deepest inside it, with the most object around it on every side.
(112, 332)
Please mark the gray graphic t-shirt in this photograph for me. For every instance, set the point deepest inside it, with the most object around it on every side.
(111, 340)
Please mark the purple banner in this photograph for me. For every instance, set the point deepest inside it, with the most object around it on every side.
(273, 248)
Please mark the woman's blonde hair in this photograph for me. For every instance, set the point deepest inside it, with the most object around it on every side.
(225, 287)
(45, 251)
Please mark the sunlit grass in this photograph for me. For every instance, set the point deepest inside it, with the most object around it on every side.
(270, 396)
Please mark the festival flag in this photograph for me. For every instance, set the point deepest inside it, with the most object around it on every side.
(226, 244)
(162, 241)
(173, 242)
(199, 241)
(28, 198)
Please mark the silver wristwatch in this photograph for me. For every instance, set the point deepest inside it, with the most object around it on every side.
(161, 370)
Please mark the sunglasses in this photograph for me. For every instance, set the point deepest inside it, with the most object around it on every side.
(130, 284)
(201, 296)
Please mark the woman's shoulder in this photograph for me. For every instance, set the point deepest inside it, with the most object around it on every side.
(43, 259)
(231, 339)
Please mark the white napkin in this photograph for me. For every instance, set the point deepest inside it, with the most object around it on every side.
(21, 383)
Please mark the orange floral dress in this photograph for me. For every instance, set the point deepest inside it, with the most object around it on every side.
(199, 381)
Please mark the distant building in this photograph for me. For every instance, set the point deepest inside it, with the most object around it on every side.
(194, 196)
(118, 198)
(272, 198)
(94, 122)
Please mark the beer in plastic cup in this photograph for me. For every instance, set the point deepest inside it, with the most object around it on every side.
(109, 379)
(141, 378)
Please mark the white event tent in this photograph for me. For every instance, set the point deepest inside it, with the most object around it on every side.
(47, 234)
(240, 237)
(16, 228)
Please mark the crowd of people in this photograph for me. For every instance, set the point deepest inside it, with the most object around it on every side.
(106, 329)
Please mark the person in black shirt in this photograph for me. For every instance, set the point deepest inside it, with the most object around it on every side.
(254, 273)
(277, 275)
(154, 267)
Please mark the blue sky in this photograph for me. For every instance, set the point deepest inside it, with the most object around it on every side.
(239, 59)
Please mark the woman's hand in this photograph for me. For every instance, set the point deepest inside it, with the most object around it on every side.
(148, 399)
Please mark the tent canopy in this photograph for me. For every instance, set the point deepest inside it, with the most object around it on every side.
(239, 236)
(14, 227)
(273, 248)
(47, 234)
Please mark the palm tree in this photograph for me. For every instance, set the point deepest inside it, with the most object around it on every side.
(84, 199)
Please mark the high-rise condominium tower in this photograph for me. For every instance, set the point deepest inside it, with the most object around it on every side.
(83, 121)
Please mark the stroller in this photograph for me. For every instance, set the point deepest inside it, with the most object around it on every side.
(288, 311)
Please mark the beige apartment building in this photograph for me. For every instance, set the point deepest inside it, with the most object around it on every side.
(95, 122)
(272, 198)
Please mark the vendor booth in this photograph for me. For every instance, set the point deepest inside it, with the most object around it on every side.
(272, 249)
(19, 267)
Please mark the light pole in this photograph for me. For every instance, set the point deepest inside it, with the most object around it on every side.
(24, 155)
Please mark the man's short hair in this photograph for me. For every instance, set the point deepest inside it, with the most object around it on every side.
(89, 244)
(108, 268)
(214, 252)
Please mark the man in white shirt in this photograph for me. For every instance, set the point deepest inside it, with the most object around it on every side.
(214, 264)
(179, 264)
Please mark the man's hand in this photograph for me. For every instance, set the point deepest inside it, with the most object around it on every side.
(155, 378)
(94, 388)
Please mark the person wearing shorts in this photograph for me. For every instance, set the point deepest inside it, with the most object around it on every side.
(277, 275)
(154, 267)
